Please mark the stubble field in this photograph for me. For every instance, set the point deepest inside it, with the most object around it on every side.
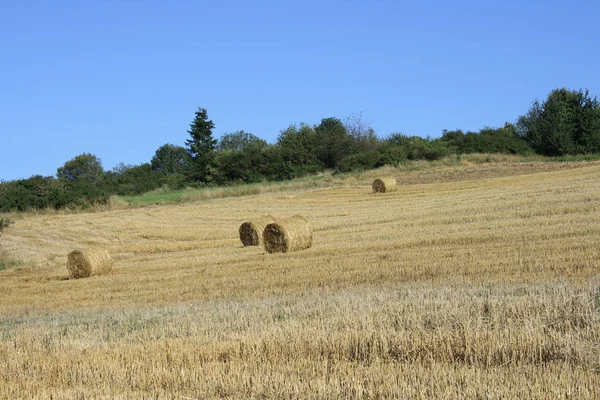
(473, 281)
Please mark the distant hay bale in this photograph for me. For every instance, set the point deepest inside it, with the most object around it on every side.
(251, 231)
(384, 185)
(291, 234)
(82, 264)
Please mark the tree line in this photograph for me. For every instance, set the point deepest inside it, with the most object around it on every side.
(566, 123)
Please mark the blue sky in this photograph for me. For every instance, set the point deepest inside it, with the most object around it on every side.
(120, 78)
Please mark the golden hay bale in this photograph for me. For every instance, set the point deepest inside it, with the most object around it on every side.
(251, 231)
(82, 264)
(383, 185)
(291, 234)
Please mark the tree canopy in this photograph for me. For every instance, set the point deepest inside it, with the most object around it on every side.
(84, 167)
(567, 122)
(201, 146)
(240, 141)
(170, 159)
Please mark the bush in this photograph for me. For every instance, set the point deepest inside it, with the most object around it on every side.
(37, 192)
(422, 149)
(174, 181)
(488, 140)
(393, 155)
(414, 148)
(5, 222)
(7, 262)
(361, 161)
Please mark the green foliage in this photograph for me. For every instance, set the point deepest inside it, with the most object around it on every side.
(84, 167)
(488, 140)
(136, 180)
(36, 192)
(298, 145)
(174, 181)
(397, 139)
(83, 194)
(201, 146)
(170, 159)
(241, 141)
(234, 166)
(414, 148)
(253, 165)
(361, 161)
(393, 155)
(274, 167)
(567, 122)
(333, 142)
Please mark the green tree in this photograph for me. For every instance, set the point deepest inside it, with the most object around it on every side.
(170, 159)
(201, 146)
(333, 142)
(298, 145)
(240, 158)
(240, 141)
(567, 122)
(85, 167)
(138, 179)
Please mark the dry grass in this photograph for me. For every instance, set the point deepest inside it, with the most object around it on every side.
(475, 281)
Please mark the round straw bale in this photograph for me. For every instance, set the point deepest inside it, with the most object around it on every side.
(383, 185)
(291, 234)
(251, 231)
(82, 264)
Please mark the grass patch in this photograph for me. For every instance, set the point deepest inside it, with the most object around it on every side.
(161, 196)
(5, 222)
(7, 262)
(581, 157)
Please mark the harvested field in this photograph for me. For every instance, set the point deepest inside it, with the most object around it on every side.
(458, 284)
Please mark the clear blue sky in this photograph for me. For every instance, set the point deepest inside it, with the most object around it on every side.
(120, 78)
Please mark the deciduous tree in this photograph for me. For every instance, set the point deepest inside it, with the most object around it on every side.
(85, 167)
(170, 159)
(567, 122)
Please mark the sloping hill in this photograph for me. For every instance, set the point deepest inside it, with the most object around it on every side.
(480, 268)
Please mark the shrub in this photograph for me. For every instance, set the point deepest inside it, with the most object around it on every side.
(361, 161)
(393, 155)
(5, 222)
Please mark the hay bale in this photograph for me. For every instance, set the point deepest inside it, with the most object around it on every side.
(384, 185)
(82, 264)
(251, 231)
(291, 234)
